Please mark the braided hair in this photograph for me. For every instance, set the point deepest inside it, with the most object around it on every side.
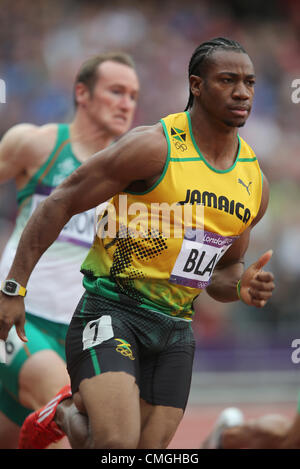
(204, 51)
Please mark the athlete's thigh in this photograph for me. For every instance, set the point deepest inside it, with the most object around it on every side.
(18, 354)
(103, 364)
(159, 424)
(99, 341)
(164, 386)
(39, 383)
(111, 400)
(166, 376)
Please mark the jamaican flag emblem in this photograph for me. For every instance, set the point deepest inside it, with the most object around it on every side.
(178, 134)
(179, 138)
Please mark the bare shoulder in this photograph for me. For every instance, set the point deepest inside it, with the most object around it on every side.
(29, 138)
(16, 135)
(142, 151)
(139, 155)
(155, 129)
(151, 134)
(23, 149)
(144, 141)
(39, 140)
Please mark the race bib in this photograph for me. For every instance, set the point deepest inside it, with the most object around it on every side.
(79, 230)
(199, 254)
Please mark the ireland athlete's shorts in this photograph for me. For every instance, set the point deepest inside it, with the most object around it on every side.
(42, 335)
(158, 350)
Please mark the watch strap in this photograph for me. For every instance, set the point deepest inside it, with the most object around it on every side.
(22, 291)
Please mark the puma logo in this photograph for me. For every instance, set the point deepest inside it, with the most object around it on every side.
(245, 185)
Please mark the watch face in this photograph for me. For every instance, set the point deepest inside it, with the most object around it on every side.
(10, 287)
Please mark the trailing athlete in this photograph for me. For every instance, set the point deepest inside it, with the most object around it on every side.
(39, 159)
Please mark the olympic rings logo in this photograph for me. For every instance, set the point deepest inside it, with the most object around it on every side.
(124, 349)
(180, 146)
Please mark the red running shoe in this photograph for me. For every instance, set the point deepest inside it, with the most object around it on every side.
(39, 429)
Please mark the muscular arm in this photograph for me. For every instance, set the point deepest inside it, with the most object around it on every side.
(138, 156)
(230, 269)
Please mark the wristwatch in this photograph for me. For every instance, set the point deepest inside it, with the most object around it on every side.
(12, 288)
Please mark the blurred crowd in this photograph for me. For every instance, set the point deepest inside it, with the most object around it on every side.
(43, 42)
